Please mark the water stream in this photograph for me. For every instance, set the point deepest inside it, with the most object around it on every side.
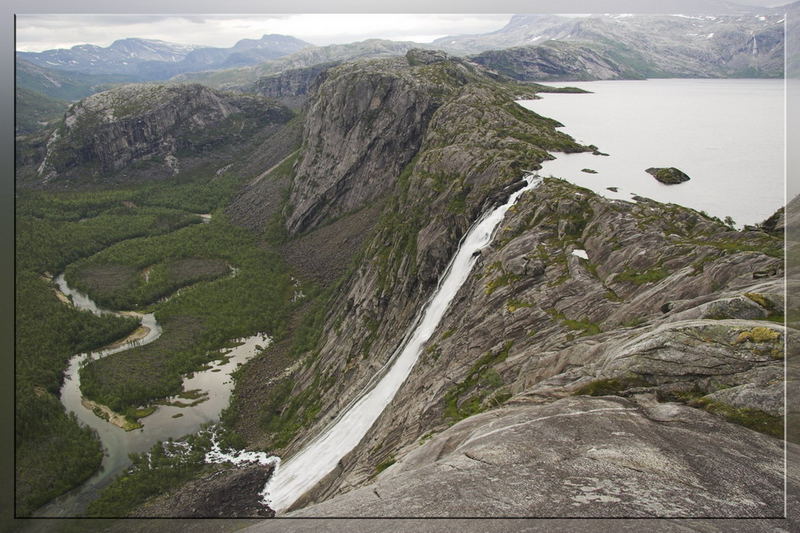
(168, 421)
(305, 469)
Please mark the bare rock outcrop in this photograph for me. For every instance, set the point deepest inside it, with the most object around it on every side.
(153, 126)
(578, 457)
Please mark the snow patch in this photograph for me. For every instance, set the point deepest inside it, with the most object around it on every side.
(580, 253)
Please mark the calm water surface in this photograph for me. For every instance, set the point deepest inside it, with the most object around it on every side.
(727, 135)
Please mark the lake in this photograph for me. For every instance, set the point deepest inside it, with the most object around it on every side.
(727, 135)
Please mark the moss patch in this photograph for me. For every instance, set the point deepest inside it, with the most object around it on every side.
(386, 463)
(754, 419)
(482, 383)
(513, 305)
(758, 334)
(611, 387)
(652, 275)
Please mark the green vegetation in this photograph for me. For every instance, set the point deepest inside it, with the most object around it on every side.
(197, 321)
(763, 243)
(34, 110)
(121, 286)
(775, 314)
(284, 414)
(426, 437)
(754, 419)
(758, 334)
(386, 463)
(585, 326)
(632, 275)
(134, 228)
(514, 305)
(611, 387)
(48, 244)
(166, 466)
(480, 390)
(668, 175)
(53, 453)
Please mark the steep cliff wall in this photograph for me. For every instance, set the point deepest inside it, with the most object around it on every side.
(290, 87)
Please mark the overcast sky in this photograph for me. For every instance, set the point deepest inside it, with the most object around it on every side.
(43, 32)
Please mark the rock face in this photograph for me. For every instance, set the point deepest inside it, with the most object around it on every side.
(578, 457)
(162, 125)
(652, 316)
(534, 321)
(668, 175)
(670, 316)
(424, 206)
(555, 61)
(229, 493)
(290, 87)
(776, 223)
(418, 56)
(365, 124)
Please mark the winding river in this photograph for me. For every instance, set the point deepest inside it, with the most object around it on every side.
(168, 421)
(310, 465)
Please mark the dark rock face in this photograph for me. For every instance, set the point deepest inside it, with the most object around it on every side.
(364, 125)
(290, 87)
(113, 130)
(776, 223)
(668, 175)
(229, 493)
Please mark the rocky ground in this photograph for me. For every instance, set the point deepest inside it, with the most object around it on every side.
(231, 492)
(668, 318)
(604, 358)
(579, 457)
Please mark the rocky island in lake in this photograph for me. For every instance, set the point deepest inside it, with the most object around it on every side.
(668, 175)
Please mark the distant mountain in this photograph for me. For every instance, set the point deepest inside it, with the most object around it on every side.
(122, 57)
(148, 59)
(555, 61)
(61, 84)
(649, 45)
(793, 40)
(307, 57)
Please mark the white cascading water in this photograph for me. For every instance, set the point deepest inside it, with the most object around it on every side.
(304, 470)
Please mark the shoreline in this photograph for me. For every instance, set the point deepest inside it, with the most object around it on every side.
(136, 335)
(113, 417)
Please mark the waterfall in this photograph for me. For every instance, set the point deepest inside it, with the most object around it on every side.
(304, 470)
